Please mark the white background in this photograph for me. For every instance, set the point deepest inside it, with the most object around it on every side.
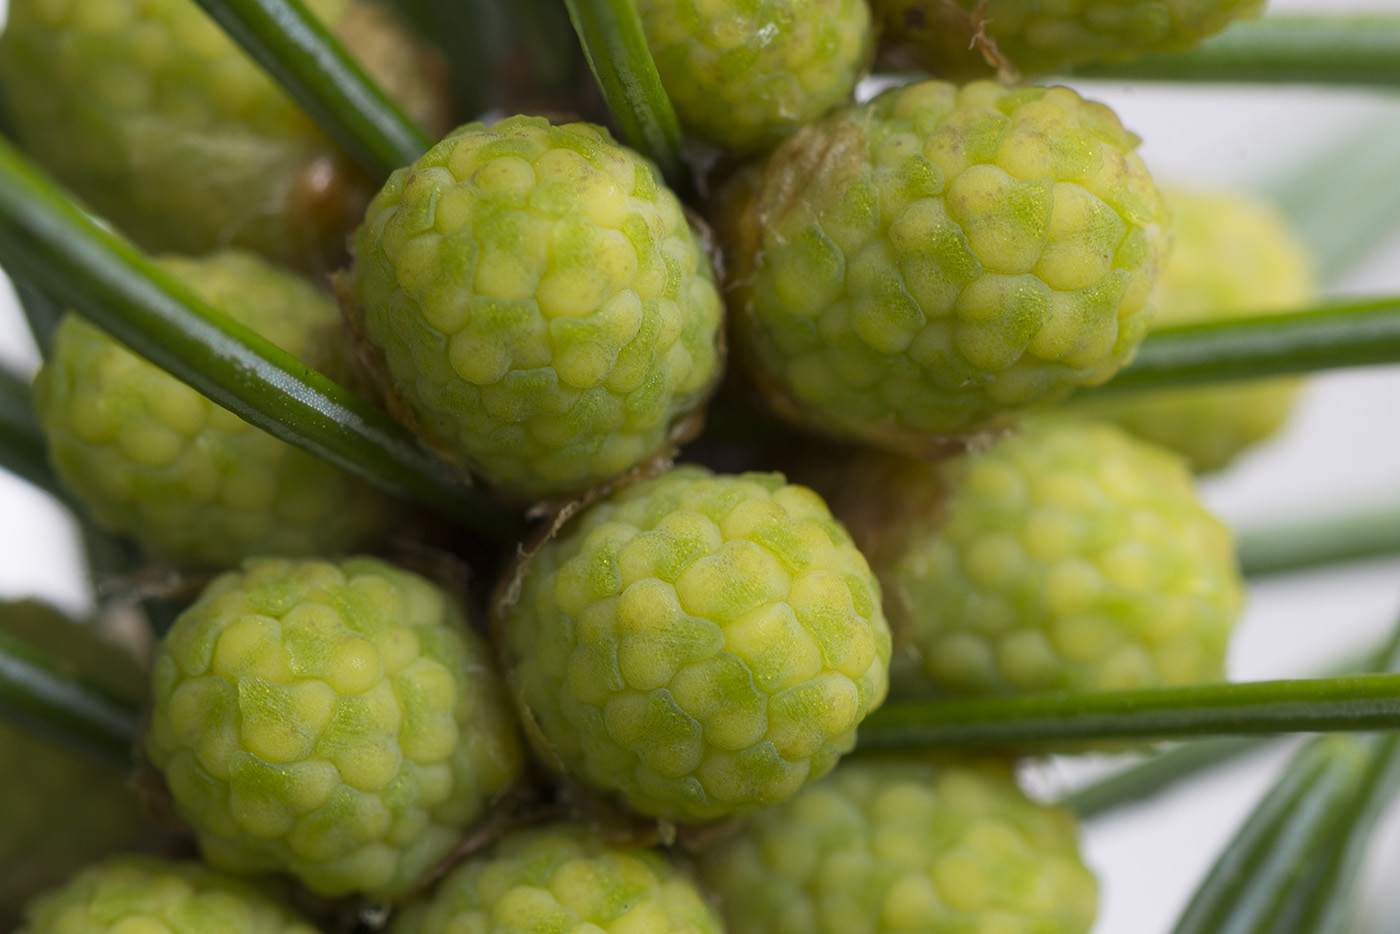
(1342, 450)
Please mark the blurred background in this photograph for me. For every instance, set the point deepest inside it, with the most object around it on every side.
(1342, 452)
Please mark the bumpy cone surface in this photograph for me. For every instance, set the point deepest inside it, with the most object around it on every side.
(164, 126)
(191, 481)
(1039, 37)
(540, 302)
(745, 73)
(1233, 256)
(337, 721)
(134, 894)
(563, 879)
(888, 847)
(1068, 556)
(923, 263)
(59, 811)
(701, 645)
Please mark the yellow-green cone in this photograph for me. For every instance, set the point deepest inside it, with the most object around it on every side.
(562, 879)
(889, 847)
(59, 811)
(920, 265)
(1233, 256)
(746, 73)
(192, 482)
(336, 721)
(1036, 37)
(1066, 556)
(137, 895)
(540, 303)
(165, 127)
(698, 645)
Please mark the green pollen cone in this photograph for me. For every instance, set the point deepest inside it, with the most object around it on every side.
(137, 895)
(336, 721)
(919, 266)
(563, 878)
(165, 127)
(699, 645)
(972, 38)
(746, 73)
(541, 306)
(888, 847)
(1065, 556)
(192, 482)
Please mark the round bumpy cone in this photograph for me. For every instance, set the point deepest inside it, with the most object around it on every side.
(336, 721)
(699, 645)
(192, 482)
(1068, 556)
(58, 810)
(746, 73)
(918, 266)
(971, 38)
(563, 878)
(542, 308)
(889, 847)
(129, 894)
(165, 127)
(1233, 256)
